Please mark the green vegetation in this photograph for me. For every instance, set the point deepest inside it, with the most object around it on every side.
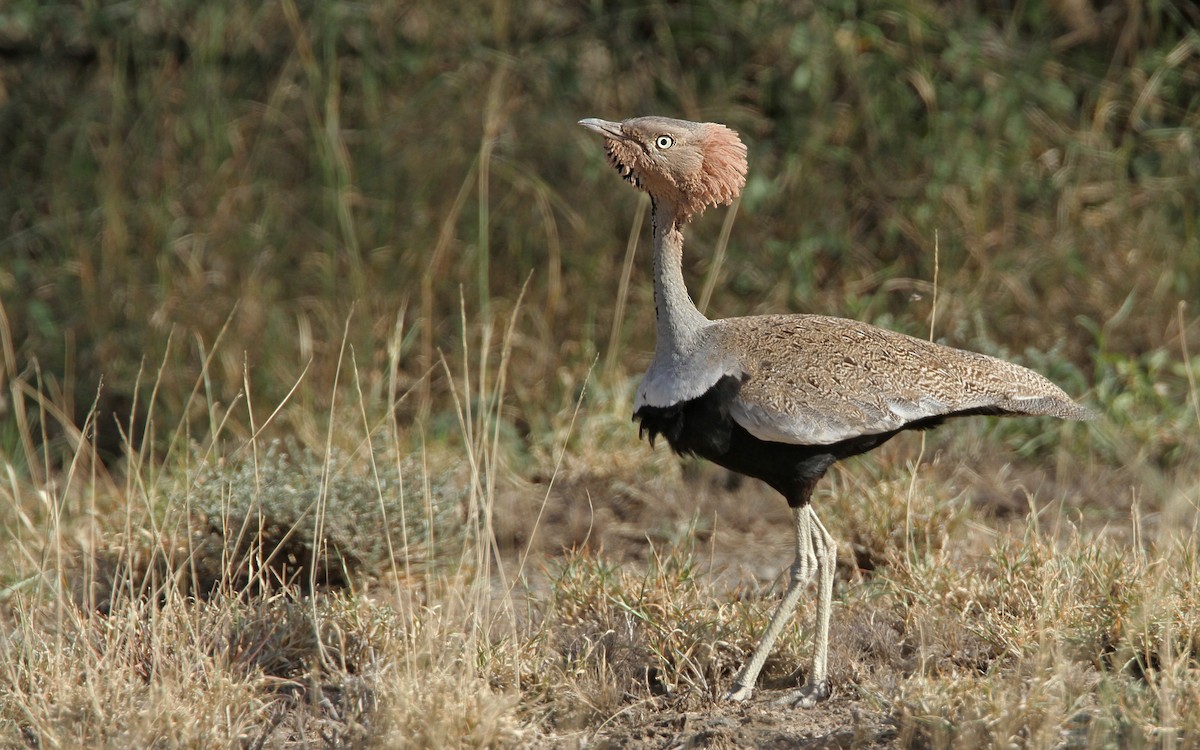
(318, 345)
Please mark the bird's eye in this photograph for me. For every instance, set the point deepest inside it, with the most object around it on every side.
(664, 142)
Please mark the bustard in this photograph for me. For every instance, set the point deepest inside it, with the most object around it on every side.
(782, 397)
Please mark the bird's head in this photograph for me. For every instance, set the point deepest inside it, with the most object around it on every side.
(690, 164)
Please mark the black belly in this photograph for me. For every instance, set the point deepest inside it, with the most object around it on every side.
(704, 427)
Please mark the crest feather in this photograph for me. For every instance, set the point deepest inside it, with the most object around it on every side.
(722, 173)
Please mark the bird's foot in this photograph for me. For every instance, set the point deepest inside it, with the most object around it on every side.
(807, 696)
(739, 693)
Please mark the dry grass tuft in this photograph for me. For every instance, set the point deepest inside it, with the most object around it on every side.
(1089, 644)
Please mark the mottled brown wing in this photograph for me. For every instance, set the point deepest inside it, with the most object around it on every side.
(817, 380)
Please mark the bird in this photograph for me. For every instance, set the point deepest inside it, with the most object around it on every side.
(781, 398)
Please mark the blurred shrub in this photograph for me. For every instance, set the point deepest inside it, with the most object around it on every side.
(291, 511)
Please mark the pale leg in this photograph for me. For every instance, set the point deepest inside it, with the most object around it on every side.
(807, 562)
(817, 688)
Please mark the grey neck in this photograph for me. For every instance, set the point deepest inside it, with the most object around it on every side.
(678, 322)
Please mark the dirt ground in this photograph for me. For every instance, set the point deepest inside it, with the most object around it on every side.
(837, 723)
(741, 533)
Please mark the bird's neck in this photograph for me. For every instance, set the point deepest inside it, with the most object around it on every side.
(678, 322)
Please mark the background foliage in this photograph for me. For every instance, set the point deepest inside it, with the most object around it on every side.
(173, 166)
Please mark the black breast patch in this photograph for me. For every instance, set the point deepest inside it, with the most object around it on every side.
(701, 426)
(704, 427)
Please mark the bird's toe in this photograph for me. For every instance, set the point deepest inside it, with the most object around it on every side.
(739, 693)
(808, 696)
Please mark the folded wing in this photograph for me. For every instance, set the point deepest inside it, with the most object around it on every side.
(816, 380)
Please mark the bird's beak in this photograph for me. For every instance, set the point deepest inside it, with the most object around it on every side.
(604, 128)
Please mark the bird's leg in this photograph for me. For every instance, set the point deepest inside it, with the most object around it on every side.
(817, 688)
(807, 562)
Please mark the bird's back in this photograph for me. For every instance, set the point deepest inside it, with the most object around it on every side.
(812, 379)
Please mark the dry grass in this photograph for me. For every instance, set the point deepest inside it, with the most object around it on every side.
(255, 595)
(262, 597)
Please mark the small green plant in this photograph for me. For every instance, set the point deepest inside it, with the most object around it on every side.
(310, 520)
